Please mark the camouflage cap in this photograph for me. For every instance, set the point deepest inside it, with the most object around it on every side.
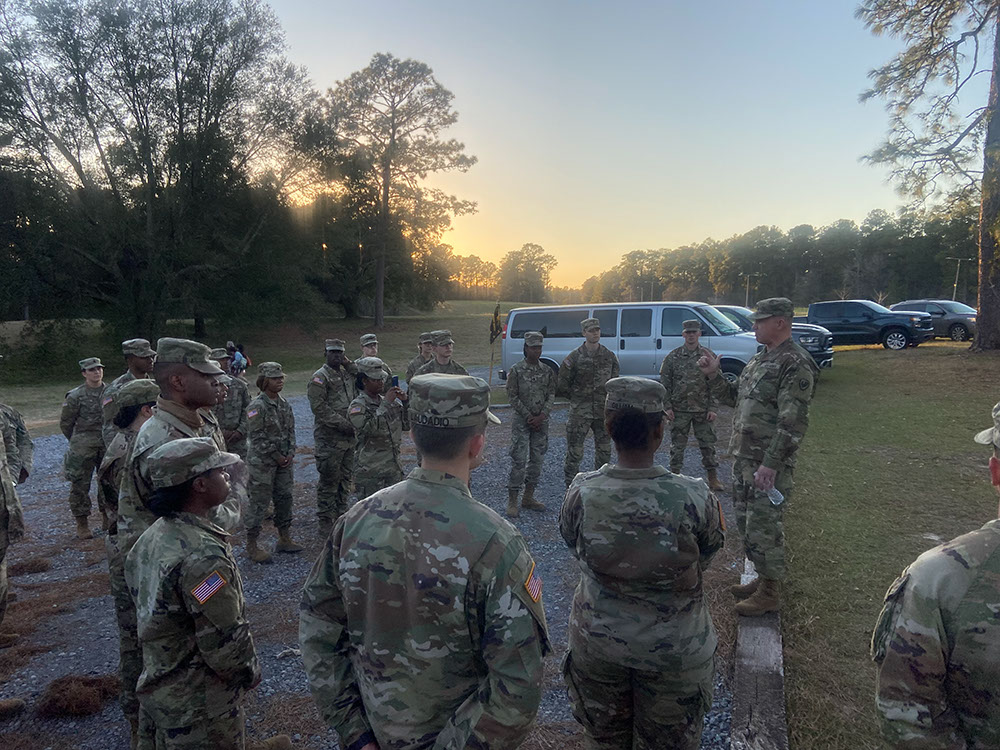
(991, 435)
(335, 345)
(449, 401)
(89, 363)
(426, 337)
(441, 338)
(368, 339)
(183, 459)
(589, 323)
(220, 353)
(372, 367)
(186, 352)
(137, 348)
(225, 379)
(691, 325)
(533, 338)
(634, 394)
(270, 370)
(135, 392)
(768, 308)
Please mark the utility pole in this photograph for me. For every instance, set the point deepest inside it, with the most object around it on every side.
(954, 287)
(748, 276)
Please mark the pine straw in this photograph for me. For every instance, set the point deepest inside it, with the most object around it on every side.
(286, 714)
(717, 580)
(29, 566)
(557, 736)
(76, 695)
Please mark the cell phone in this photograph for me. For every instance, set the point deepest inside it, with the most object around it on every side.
(395, 381)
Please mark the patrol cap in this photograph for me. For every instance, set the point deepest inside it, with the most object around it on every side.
(991, 435)
(137, 348)
(368, 339)
(533, 338)
(634, 394)
(89, 363)
(335, 345)
(589, 323)
(220, 353)
(186, 352)
(227, 379)
(449, 401)
(691, 325)
(372, 367)
(135, 392)
(183, 459)
(426, 337)
(768, 308)
(270, 370)
(441, 338)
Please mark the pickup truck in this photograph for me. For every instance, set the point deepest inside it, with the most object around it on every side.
(814, 339)
(861, 321)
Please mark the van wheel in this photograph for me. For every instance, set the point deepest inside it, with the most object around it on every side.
(731, 371)
(895, 339)
(958, 332)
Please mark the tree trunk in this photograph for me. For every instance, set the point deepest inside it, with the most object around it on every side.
(380, 289)
(200, 331)
(988, 318)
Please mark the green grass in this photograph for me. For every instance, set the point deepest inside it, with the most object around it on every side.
(888, 469)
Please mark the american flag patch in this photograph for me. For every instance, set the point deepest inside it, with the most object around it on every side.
(318, 380)
(204, 590)
(357, 409)
(252, 413)
(533, 585)
(107, 401)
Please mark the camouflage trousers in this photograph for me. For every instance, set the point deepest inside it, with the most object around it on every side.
(129, 650)
(335, 465)
(632, 709)
(704, 431)
(527, 446)
(80, 464)
(4, 544)
(761, 523)
(270, 483)
(225, 732)
(576, 432)
(368, 484)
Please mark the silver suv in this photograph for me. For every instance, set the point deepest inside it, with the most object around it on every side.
(951, 319)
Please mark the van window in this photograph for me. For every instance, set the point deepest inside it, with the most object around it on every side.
(553, 324)
(636, 322)
(609, 321)
(673, 320)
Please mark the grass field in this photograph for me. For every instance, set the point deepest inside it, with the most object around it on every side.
(888, 469)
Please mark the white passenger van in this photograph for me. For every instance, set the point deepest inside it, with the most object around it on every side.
(639, 333)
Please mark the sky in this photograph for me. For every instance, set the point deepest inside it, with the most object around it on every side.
(602, 127)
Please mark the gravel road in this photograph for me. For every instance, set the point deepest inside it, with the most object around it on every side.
(82, 638)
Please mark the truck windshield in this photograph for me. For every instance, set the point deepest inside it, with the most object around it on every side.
(957, 307)
(724, 325)
(876, 306)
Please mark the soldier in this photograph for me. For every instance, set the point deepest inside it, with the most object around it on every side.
(22, 459)
(421, 622)
(770, 419)
(81, 422)
(425, 351)
(11, 531)
(133, 408)
(330, 392)
(139, 357)
(531, 389)
(641, 661)
(369, 348)
(937, 641)
(690, 403)
(581, 379)
(231, 414)
(442, 362)
(271, 457)
(379, 421)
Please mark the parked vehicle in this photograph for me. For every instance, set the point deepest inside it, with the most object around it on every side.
(951, 319)
(861, 321)
(639, 333)
(814, 339)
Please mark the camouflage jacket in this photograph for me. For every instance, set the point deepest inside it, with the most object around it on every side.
(8, 495)
(531, 389)
(170, 421)
(24, 455)
(231, 414)
(114, 462)
(330, 393)
(937, 646)
(642, 538)
(582, 377)
(385, 366)
(771, 404)
(415, 364)
(198, 656)
(687, 388)
(426, 574)
(272, 429)
(109, 409)
(80, 420)
(452, 368)
(379, 426)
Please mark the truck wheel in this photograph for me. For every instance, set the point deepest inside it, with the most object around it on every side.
(958, 332)
(895, 339)
(731, 371)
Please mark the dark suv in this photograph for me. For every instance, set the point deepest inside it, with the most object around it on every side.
(950, 318)
(814, 339)
(861, 321)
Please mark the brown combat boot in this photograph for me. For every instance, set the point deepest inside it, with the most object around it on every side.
(742, 591)
(11, 707)
(528, 502)
(278, 742)
(285, 543)
(512, 510)
(713, 481)
(254, 551)
(82, 529)
(765, 599)
(8, 639)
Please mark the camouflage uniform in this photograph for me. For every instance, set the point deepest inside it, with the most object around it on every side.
(197, 651)
(11, 516)
(272, 436)
(81, 423)
(109, 409)
(691, 400)
(531, 389)
(417, 362)
(446, 588)
(367, 340)
(379, 426)
(330, 393)
(23, 458)
(581, 379)
(432, 366)
(231, 415)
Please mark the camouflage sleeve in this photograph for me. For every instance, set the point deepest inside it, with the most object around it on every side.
(569, 517)
(710, 398)
(220, 627)
(514, 394)
(723, 391)
(265, 432)
(11, 502)
(909, 646)
(410, 370)
(323, 413)
(227, 516)
(667, 378)
(70, 412)
(244, 402)
(615, 367)
(794, 393)
(711, 531)
(25, 448)
(363, 419)
(289, 426)
(564, 379)
(550, 392)
(325, 643)
(461, 370)
(10, 445)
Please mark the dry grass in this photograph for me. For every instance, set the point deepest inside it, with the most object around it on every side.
(286, 714)
(717, 580)
(557, 736)
(76, 695)
(29, 566)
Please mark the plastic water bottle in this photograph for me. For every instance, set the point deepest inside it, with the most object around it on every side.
(775, 496)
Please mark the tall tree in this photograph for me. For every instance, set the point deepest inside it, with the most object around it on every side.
(525, 273)
(936, 140)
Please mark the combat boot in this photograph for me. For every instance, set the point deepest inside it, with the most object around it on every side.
(285, 543)
(254, 551)
(528, 502)
(512, 510)
(742, 591)
(11, 707)
(82, 529)
(278, 742)
(713, 481)
(765, 599)
(8, 639)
